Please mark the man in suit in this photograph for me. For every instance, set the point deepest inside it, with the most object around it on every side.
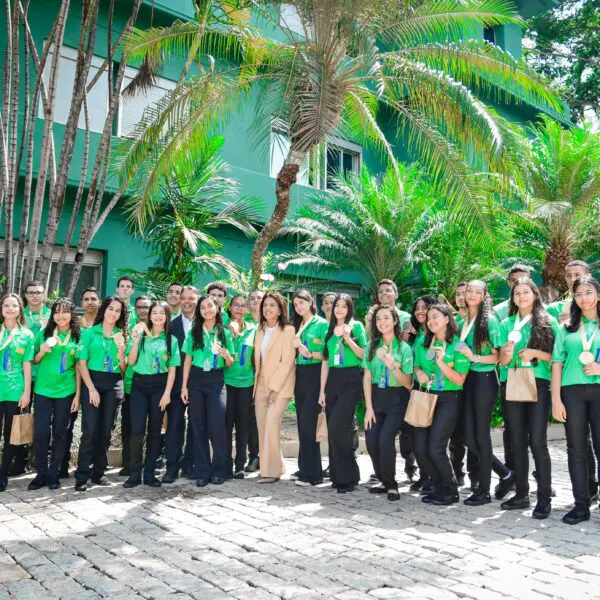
(175, 435)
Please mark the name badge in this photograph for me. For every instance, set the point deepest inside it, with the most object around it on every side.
(337, 360)
(381, 383)
(206, 366)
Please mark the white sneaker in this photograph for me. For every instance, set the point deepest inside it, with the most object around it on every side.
(302, 483)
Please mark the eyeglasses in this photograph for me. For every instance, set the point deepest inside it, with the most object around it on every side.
(581, 295)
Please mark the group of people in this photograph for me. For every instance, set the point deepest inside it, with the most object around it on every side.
(225, 364)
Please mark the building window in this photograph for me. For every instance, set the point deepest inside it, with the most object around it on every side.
(489, 35)
(132, 108)
(322, 165)
(290, 19)
(97, 99)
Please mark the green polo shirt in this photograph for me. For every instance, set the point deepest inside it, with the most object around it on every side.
(380, 374)
(404, 317)
(153, 358)
(543, 370)
(37, 320)
(226, 317)
(313, 337)
(340, 354)
(248, 318)
(132, 317)
(453, 359)
(128, 380)
(100, 352)
(493, 334)
(56, 371)
(241, 373)
(204, 358)
(21, 349)
(501, 310)
(568, 347)
(558, 308)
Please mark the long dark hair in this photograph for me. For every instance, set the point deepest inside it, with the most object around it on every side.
(452, 328)
(376, 334)
(333, 321)
(303, 295)
(167, 310)
(282, 319)
(542, 335)
(481, 335)
(429, 300)
(121, 322)
(575, 319)
(21, 321)
(67, 306)
(198, 324)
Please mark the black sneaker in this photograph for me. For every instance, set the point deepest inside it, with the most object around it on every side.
(132, 482)
(542, 509)
(578, 514)
(393, 495)
(217, 480)
(479, 498)
(124, 472)
(239, 475)
(37, 484)
(516, 503)
(152, 482)
(377, 489)
(80, 486)
(201, 482)
(169, 477)
(102, 481)
(427, 489)
(417, 485)
(54, 485)
(504, 486)
(443, 498)
(346, 489)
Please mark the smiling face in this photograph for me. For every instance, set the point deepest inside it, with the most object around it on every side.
(421, 312)
(523, 297)
(459, 297)
(513, 277)
(254, 300)
(158, 317)
(475, 294)
(437, 322)
(238, 308)
(218, 295)
(112, 313)
(125, 290)
(90, 302)
(386, 294)
(62, 318)
(10, 309)
(142, 306)
(174, 296)
(572, 274)
(35, 295)
(270, 310)
(327, 304)
(302, 307)
(385, 321)
(586, 297)
(189, 298)
(340, 310)
(208, 309)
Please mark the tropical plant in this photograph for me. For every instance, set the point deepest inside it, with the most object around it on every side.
(564, 184)
(377, 227)
(196, 198)
(417, 61)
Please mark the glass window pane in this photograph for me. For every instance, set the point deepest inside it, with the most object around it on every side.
(333, 165)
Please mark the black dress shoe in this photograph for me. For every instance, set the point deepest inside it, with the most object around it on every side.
(504, 486)
(428, 499)
(576, 515)
(102, 481)
(479, 498)
(201, 482)
(417, 485)
(542, 509)
(152, 482)
(54, 485)
(217, 480)
(239, 475)
(393, 495)
(169, 478)
(81, 486)
(132, 482)
(516, 503)
(37, 484)
(378, 489)
(252, 466)
(427, 489)
(326, 473)
(124, 472)
(445, 499)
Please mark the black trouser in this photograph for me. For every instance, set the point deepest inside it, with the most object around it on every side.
(389, 406)
(583, 411)
(430, 443)
(8, 409)
(457, 448)
(237, 415)
(252, 435)
(406, 451)
(144, 409)
(66, 461)
(306, 396)
(342, 393)
(479, 396)
(175, 434)
(506, 440)
(126, 431)
(97, 424)
(207, 404)
(52, 418)
(528, 424)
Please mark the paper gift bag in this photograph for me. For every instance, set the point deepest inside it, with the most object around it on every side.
(421, 407)
(21, 432)
(322, 427)
(520, 385)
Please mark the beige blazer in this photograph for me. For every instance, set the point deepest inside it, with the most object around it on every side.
(279, 368)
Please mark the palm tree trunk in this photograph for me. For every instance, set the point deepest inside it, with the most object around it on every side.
(285, 179)
(553, 271)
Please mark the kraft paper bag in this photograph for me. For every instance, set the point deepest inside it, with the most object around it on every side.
(21, 432)
(322, 427)
(420, 409)
(520, 385)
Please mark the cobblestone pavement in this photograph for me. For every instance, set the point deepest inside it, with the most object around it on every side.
(256, 542)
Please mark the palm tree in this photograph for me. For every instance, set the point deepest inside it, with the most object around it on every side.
(196, 197)
(564, 182)
(416, 60)
(378, 227)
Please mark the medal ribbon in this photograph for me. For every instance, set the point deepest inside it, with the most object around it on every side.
(520, 323)
(10, 337)
(587, 343)
(55, 335)
(466, 329)
(439, 380)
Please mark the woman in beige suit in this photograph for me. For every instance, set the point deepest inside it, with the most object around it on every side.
(274, 359)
